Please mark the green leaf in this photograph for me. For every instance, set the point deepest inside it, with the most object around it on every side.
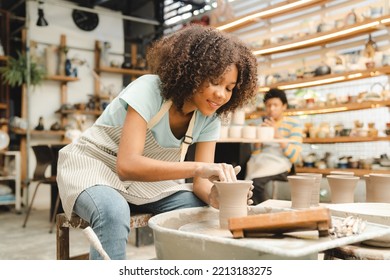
(15, 72)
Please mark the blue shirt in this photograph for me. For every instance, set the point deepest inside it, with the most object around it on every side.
(143, 95)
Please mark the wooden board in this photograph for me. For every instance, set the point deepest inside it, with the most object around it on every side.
(282, 222)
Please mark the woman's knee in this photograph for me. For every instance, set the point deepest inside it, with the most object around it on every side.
(104, 205)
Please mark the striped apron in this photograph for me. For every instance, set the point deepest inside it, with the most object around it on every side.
(92, 161)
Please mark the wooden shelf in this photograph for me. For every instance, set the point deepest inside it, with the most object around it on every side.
(322, 38)
(327, 110)
(358, 172)
(122, 71)
(270, 11)
(39, 132)
(3, 106)
(62, 78)
(80, 112)
(245, 140)
(345, 139)
(3, 58)
(330, 79)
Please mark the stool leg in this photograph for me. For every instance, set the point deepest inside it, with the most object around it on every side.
(53, 219)
(30, 206)
(62, 238)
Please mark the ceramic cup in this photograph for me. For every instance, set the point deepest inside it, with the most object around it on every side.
(235, 131)
(249, 132)
(233, 200)
(315, 195)
(342, 188)
(377, 187)
(301, 188)
(369, 191)
(265, 133)
(224, 132)
(238, 117)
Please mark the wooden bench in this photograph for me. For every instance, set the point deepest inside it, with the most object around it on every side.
(63, 225)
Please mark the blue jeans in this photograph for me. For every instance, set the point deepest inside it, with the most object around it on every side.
(108, 213)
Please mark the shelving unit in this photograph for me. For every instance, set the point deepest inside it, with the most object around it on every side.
(15, 176)
(345, 139)
(358, 172)
(327, 109)
(99, 68)
(4, 89)
(309, 50)
(330, 79)
(321, 38)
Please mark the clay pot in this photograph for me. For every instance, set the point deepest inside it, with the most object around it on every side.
(377, 188)
(342, 188)
(233, 200)
(315, 195)
(265, 133)
(301, 188)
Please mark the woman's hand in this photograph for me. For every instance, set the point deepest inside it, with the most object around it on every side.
(218, 172)
(214, 198)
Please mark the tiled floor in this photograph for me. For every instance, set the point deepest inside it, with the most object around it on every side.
(36, 243)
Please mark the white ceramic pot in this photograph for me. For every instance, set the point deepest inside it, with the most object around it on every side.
(224, 132)
(249, 132)
(235, 131)
(265, 133)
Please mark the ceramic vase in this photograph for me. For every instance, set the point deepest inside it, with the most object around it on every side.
(342, 188)
(315, 195)
(233, 200)
(377, 188)
(301, 188)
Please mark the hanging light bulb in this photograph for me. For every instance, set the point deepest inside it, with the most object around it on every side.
(41, 17)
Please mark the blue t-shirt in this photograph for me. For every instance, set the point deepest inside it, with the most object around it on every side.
(143, 95)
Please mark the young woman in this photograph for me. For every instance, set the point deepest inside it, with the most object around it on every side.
(132, 158)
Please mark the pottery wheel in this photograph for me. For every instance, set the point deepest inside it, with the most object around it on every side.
(209, 227)
(375, 243)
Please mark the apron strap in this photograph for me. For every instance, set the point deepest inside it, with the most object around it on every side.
(187, 141)
(188, 136)
(164, 108)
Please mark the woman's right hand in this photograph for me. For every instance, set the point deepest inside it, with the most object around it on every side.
(218, 172)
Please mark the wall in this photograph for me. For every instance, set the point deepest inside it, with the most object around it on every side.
(45, 98)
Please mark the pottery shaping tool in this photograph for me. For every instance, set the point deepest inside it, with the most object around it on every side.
(282, 222)
(95, 242)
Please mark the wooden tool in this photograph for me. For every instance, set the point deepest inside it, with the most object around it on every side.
(282, 222)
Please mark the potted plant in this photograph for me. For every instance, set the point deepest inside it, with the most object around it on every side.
(15, 72)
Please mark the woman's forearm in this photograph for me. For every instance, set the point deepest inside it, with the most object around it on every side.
(143, 169)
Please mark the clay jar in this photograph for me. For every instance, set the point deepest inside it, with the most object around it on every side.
(301, 188)
(377, 188)
(342, 188)
(315, 195)
(233, 200)
(265, 133)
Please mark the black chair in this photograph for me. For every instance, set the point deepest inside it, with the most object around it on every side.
(44, 158)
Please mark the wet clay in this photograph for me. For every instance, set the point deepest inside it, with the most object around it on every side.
(301, 188)
(233, 200)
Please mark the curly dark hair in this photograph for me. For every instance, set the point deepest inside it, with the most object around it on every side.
(196, 54)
